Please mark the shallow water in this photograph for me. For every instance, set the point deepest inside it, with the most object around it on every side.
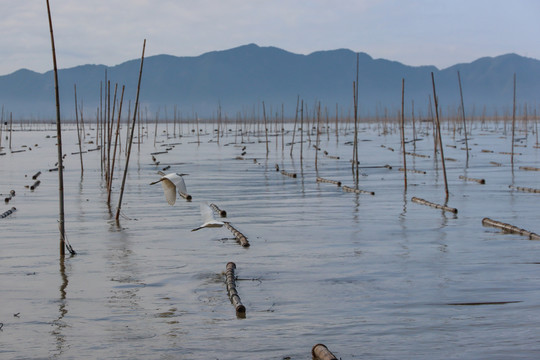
(376, 277)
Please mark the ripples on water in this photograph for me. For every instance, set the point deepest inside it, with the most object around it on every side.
(369, 276)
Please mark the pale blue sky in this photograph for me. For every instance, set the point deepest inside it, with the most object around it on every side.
(414, 32)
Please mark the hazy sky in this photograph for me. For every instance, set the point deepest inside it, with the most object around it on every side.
(414, 32)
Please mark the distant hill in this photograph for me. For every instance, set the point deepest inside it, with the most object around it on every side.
(240, 79)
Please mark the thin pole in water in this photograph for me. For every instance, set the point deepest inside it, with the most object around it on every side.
(439, 135)
(131, 137)
(463, 115)
(78, 130)
(513, 122)
(403, 131)
(59, 140)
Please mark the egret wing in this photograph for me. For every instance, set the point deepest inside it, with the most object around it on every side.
(181, 185)
(207, 213)
(170, 191)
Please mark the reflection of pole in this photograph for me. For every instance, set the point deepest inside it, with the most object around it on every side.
(59, 140)
(131, 137)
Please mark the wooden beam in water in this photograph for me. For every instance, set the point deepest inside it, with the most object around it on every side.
(292, 175)
(230, 280)
(241, 238)
(509, 228)
(357, 191)
(434, 205)
(321, 352)
(524, 189)
(480, 181)
(7, 213)
(221, 213)
(323, 180)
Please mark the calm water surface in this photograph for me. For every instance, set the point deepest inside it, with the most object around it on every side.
(372, 277)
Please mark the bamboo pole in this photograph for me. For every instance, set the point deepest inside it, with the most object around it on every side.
(7, 213)
(241, 238)
(295, 121)
(403, 132)
(434, 205)
(131, 137)
(35, 185)
(265, 129)
(529, 168)
(109, 190)
(61, 224)
(221, 213)
(480, 181)
(509, 228)
(78, 130)
(524, 189)
(357, 191)
(463, 115)
(323, 180)
(36, 175)
(435, 100)
(321, 352)
(513, 122)
(230, 280)
(292, 175)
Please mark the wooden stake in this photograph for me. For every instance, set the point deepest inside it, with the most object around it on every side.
(131, 137)
(513, 122)
(463, 115)
(61, 225)
(403, 132)
(439, 135)
(78, 130)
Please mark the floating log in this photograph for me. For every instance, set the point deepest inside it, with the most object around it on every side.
(185, 196)
(36, 175)
(434, 205)
(221, 213)
(17, 151)
(509, 228)
(230, 280)
(450, 159)
(321, 352)
(96, 149)
(7, 213)
(357, 191)
(320, 179)
(413, 171)
(158, 152)
(292, 175)
(495, 163)
(529, 168)
(524, 189)
(166, 167)
(78, 152)
(35, 185)
(486, 151)
(480, 181)
(509, 153)
(241, 238)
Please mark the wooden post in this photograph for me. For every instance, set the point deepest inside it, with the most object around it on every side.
(78, 130)
(403, 131)
(61, 225)
(131, 137)
(463, 116)
(435, 100)
(109, 190)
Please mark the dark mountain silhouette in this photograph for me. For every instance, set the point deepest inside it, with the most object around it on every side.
(238, 80)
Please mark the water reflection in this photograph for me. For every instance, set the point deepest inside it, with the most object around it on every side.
(59, 324)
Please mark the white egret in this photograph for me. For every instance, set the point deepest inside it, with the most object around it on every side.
(170, 183)
(208, 218)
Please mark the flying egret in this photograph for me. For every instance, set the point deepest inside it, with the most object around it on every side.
(208, 218)
(170, 183)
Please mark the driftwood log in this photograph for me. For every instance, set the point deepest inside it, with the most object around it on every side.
(434, 205)
(321, 352)
(509, 228)
(230, 280)
(241, 238)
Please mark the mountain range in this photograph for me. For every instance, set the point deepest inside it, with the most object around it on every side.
(237, 81)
